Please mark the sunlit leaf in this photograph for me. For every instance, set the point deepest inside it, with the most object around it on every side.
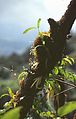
(2, 111)
(68, 60)
(3, 95)
(12, 114)
(55, 70)
(10, 92)
(7, 105)
(45, 114)
(50, 75)
(72, 59)
(63, 63)
(43, 42)
(67, 108)
(22, 74)
(38, 23)
(28, 29)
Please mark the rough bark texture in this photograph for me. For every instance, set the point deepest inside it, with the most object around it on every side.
(51, 53)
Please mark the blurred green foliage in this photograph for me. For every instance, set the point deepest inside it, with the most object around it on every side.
(8, 83)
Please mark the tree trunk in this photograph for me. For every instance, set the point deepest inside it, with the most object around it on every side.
(28, 89)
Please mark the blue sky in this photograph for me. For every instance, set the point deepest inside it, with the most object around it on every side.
(17, 15)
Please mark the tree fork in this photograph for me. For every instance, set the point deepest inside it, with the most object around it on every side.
(25, 96)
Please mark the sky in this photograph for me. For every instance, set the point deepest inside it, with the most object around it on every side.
(17, 15)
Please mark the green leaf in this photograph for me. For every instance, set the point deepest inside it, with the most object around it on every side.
(63, 62)
(55, 70)
(22, 75)
(28, 29)
(38, 23)
(7, 105)
(67, 108)
(12, 114)
(68, 60)
(72, 59)
(3, 95)
(2, 111)
(10, 92)
(45, 114)
(50, 75)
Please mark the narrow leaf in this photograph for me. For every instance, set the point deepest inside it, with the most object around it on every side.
(4, 95)
(38, 23)
(28, 29)
(21, 75)
(2, 111)
(72, 59)
(10, 92)
(55, 70)
(68, 60)
(67, 108)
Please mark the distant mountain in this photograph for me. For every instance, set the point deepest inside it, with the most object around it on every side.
(9, 47)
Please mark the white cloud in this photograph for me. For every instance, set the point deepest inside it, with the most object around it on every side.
(56, 8)
(17, 15)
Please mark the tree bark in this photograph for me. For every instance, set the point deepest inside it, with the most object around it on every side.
(29, 89)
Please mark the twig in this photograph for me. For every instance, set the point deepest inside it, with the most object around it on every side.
(62, 81)
(64, 91)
